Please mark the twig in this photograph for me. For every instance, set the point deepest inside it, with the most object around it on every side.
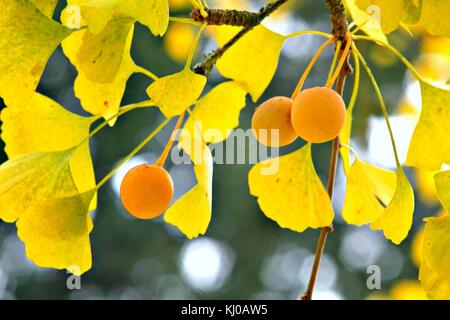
(204, 68)
(220, 17)
(339, 30)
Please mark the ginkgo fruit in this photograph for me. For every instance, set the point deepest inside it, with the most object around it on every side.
(146, 191)
(274, 114)
(318, 114)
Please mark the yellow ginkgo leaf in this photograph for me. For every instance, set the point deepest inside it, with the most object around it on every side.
(436, 244)
(45, 126)
(191, 213)
(47, 7)
(152, 13)
(416, 247)
(27, 39)
(38, 193)
(56, 233)
(290, 192)
(214, 115)
(252, 60)
(389, 12)
(31, 178)
(434, 271)
(368, 189)
(396, 219)
(175, 93)
(434, 17)
(412, 11)
(435, 286)
(99, 57)
(102, 99)
(407, 290)
(426, 188)
(368, 21)
(442, 181)
(430, 136)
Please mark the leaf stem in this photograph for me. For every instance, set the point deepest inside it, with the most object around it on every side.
(132, 153)
(396, 53)
(122, 111)
(146, 72)
(308, 32)
(381, 103)
(194, 47)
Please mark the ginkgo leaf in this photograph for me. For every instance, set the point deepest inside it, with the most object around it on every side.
(442, 181)
(417, 246)
(434, 271)
(38, 193)
(45, 126)
(390, 12)
(56, 233)
(31, 178)
(99, 57)
(412, 12)
(191, 213)
(368, 189)
(175, 93)
(214, 115)
(396, 219)
(252, 60)
(152, 13)
(102, 99)
(434, 17)
(27, 39)
(290, 192)
(436, 244)
(407, 290)
(435, 286)
(47, 7)
(430, 136)
(368, 21)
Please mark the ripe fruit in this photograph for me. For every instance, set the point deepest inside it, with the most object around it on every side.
(146, 191)
(274, 114)
(318, 114)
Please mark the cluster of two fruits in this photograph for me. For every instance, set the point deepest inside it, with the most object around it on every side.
(316, 115)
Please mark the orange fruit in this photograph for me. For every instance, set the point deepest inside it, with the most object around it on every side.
(146, 191)
(318, 114)
(274, 114)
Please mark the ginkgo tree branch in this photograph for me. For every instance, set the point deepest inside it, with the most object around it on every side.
(339, 30)
(205, 67)
(229, 17)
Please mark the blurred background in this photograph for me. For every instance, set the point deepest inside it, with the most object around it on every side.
(244, 255)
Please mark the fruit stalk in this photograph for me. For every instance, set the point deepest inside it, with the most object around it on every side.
(339, 30)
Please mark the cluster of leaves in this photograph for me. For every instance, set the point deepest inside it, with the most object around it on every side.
(48, 186)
